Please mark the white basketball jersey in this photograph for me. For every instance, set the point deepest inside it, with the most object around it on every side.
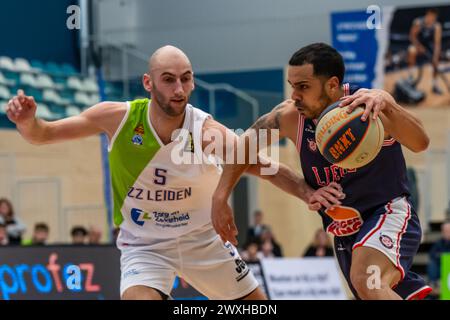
(156, 196)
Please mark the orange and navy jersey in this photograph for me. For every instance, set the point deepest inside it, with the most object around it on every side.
(366, 188)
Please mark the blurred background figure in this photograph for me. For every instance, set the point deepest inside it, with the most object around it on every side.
(79, 235)
(266, 250)
(321, 246)
(94, 235)
(268, 237)
(440, 247)
(251, 250)
(14, 227)
(115, 234)
(3, 233)
(40, 235)
(258, 226)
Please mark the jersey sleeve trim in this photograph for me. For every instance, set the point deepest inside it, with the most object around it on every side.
(119, 128)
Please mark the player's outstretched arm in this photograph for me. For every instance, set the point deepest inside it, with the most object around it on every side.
(398, 122)
(282, 118)
(291, 182)
(221, 213)
(102, 117)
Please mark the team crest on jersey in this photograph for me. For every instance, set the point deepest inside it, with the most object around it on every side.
(139, 216)
(386, 241)
(138, 135)
(312, 145)
(309, 128)
(346, 221)
(189, 147)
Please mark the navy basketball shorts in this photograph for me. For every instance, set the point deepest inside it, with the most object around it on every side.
(393, 229)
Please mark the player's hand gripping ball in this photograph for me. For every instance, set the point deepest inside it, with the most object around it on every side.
(347, 141)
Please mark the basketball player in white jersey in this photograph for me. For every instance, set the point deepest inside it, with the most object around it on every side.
(163, 207)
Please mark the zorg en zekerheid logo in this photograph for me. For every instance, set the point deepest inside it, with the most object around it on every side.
(160, 219)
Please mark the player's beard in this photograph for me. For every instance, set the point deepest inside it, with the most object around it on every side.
(324, 101)
(164, 103)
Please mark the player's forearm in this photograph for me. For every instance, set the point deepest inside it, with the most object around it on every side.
(228, 180)
(33, 131)
(406, 128)
(291, 182)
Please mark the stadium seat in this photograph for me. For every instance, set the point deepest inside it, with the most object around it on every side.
(36, 64)
(90, 85)
(52, 96)
(28, 79)
(82, 98)
(44, 112)
(58, 111)
(68, 69)
(72, 110)
(2, 106)
(12, 76)
(67, 94)
(74, 83)
(5, 81)
(4, 93)
(34, 92)
(44, 81)
(22, 65)
(53, 68)
(94, 99)
(7, 63)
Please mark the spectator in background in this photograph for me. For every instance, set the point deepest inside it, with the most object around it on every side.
(79, 235)
(3, 233)
(14, 227)
(94, 235)
(251, 249)
(266, 250)
(267, 236)
(440, 247)
(258, 226)
(40, 235)
(321, 246)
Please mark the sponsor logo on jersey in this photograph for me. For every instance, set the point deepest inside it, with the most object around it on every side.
(386, 241)
(309, 128)
(139, 216)
(131, 272)
(346, 221)
(138, 135)
(241, 268)
(161, 219)
(189, 147)
(312, 145)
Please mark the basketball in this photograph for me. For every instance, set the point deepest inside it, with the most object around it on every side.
(347, 141)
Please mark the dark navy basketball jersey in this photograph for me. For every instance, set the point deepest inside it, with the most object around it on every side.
(366, 188)
(426, 34)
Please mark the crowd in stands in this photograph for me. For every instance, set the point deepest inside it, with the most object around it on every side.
(434, 263)
(12, 230)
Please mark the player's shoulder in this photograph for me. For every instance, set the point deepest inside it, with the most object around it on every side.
(106, 114)
(111, 105)
(286, 107)
(212, 124)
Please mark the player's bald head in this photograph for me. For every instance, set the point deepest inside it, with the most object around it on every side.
(168, 57)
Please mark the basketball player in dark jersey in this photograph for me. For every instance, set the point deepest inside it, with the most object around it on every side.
(376, 230)
(425, 36)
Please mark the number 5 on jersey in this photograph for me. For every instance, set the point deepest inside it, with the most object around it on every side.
(160, 176)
